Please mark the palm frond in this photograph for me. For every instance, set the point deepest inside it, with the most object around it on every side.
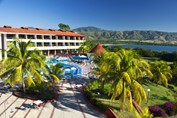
(55, 78)
(29, 81)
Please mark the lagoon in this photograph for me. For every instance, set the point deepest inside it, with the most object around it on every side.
(152, 47)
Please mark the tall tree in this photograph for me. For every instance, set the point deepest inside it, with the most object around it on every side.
(85, 46)
(53, 72)
(65, 27)
(128, 69)
(22, 64)
(161, 72)
(123, 69)
(104, 64)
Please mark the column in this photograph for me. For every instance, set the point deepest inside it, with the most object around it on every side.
(74, 41)
(5, 46)
(0, 48)
(50, 38)
(48, 52)
(63, 37)
(17, 36)
(55, 52)
(35, 38)
(25, 36)
(42, 39)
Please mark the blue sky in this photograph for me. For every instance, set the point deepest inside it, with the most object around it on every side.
(117, 15)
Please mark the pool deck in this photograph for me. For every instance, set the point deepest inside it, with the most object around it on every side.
(70, 104)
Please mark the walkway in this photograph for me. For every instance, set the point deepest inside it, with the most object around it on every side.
(70, 104)
(74, 105)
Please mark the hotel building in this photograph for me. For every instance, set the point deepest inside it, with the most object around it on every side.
(50, 41)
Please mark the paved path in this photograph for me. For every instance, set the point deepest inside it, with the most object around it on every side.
(74, 105)
(70, 104)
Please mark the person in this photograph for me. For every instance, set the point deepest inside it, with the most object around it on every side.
(80, 87)
(36, 104)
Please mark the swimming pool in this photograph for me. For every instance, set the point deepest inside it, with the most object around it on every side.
(80, 58)
(69, 68)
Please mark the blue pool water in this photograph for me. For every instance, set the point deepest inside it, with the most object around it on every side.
(69, 68)
(80, 58)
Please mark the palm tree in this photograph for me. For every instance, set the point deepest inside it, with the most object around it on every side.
(22, 65)
(161, 72)
(104, 65)
(53, 72)
(128, 67)
(86, 46)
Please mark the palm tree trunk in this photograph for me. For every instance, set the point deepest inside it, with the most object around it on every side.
(102, 84)
(23, 83)
(123, 97)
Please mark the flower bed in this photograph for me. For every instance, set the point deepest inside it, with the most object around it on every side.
(167, 109)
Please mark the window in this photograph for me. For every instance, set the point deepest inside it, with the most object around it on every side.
(53, 37)
(22, 36)
(77, 44)
(66, 44)
(39, 44)
(46, 37)
(71, 38)
(30, 36)
(60, 37)
(53, 44)
(77, 38)
(10, 36)
(39, 36)
(60, 44)
(71, 44)
(46, 44)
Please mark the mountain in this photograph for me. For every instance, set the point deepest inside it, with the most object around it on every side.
(108, 35)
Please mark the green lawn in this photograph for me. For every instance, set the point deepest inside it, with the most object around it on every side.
(157, 96)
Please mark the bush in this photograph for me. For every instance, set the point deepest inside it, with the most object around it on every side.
(157, 111)
(169, 108)
(106, 89)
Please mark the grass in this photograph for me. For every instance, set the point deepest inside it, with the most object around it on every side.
(158, 95)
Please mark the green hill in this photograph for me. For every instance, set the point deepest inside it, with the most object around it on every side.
(141, 35)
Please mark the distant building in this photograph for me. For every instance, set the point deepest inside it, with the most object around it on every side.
(50, 41)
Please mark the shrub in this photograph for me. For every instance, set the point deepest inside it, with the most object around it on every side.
(169, 108)
(145, 114)
(106, 89)
(157, 111)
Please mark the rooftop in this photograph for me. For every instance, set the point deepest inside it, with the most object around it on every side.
(10, 29)
(98, 49)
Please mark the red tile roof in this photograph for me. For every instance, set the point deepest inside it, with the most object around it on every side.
(39, 31)
(98, 49)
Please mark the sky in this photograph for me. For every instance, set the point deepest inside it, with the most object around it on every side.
(119, 15)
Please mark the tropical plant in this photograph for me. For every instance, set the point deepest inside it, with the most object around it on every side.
(85, 46)
(129, 67)
(22, 65)
(123, 69)
(53, 72)
(104, 65)
(145, 114)
(161, 72)
(65, 27)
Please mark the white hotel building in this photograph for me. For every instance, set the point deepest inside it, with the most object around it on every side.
(50, 41)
